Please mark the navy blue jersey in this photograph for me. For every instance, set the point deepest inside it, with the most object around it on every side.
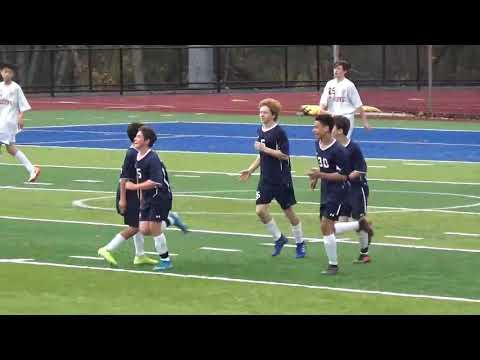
(128, 168)
(332, 159)
(149, 167)
(357, 162)
(272, 170)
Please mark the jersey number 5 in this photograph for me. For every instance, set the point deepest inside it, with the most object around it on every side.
(139, 173)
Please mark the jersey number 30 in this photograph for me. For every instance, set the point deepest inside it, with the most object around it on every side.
(322, 162)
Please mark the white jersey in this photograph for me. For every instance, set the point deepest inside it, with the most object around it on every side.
(12, 102)
(341, 98)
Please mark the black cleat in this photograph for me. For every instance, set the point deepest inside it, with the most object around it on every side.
(331, 270)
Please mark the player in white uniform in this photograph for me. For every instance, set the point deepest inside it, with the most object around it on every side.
(12, 106)
(340, 96)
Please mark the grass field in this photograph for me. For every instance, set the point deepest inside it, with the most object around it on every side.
(418, 267)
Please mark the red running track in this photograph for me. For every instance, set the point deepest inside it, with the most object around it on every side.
(445, 102)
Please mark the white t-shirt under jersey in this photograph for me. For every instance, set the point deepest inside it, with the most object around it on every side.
(341, 98)
(12, 101)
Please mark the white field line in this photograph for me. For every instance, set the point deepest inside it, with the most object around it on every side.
(88, 181)
(462, 234)
(238, 123)
(14, 260)
(86, 257)
(256, 282)
(413, 164)
(219, 249)
(254, 174)
(238, 234)
(37, 183)
(403, 237)
(238, 154)
(187, 176)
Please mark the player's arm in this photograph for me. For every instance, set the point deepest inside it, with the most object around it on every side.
(355, 100)
(323, 103)
(283, 147)
(359, 164)
(146, 185)
(21, 120)
(315, 174)
(122, 202)
(23, 106)
(245, 174)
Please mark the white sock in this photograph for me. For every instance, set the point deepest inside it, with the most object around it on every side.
(330, 244)
(273, 229)
(343, 218)
(115, 242)
(23, 159)
(161, 245)
(341, 227)
(363, 239)
(297, 233)
(139, 243)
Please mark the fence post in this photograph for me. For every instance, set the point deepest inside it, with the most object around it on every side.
(318, 67)
(219, 78)
(285, 51)
(90, 85)
(180, 67)
(52, 73)
(384, 64)
(121, 70)
(418, 68)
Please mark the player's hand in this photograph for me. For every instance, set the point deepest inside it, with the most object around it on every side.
(245, 174)
(21, 123)
(314, 174)
(313, 183)
(367, 126)
(259, 146)
(130, 185)
(122, 205)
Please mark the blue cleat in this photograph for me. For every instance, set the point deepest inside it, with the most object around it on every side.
(279, 245)
(300, 250)
(163, 265)
(176, 221)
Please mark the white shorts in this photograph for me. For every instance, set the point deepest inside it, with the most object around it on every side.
(8, 134)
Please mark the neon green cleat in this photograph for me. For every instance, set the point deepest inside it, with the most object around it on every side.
(103, 252)
(144, 259)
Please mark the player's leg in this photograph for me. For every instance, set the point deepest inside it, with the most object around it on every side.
(115, 243)
(34, 171)
(286, 200)
(156, 224)
(329, 214)
(352, 125)
(175, 220)
(365, 232)
(264, 197)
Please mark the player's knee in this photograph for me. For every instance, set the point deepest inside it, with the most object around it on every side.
(11, 150)
(261, 212)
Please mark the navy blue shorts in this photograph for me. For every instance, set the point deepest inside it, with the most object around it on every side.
(331, 210)
(156, 212)
(130, 217)
(283, 193)
(355, 204)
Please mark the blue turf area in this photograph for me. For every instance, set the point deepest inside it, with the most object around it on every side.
(239, 138)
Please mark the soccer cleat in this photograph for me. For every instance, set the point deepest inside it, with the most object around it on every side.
(144, 259)
(300, 250)
(279, 245)
(331, 270)
(364, 225)
(35, 174)
(103, 252)
(177, 221)
(362, 259)
(163, 265)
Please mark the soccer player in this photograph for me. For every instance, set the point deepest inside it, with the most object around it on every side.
(155, 194)
(275, 177)
(355, 205)
(333, 171)
(12, 106)
(128, 204)
(340, 96)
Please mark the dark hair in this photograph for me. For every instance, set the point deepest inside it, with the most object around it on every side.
(8, 66)
(148, 134)
(132, 130)
(326, 119)
(343, 63)
(341, 122)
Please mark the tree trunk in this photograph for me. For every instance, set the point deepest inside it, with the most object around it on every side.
(200, 67)
(32, 69)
